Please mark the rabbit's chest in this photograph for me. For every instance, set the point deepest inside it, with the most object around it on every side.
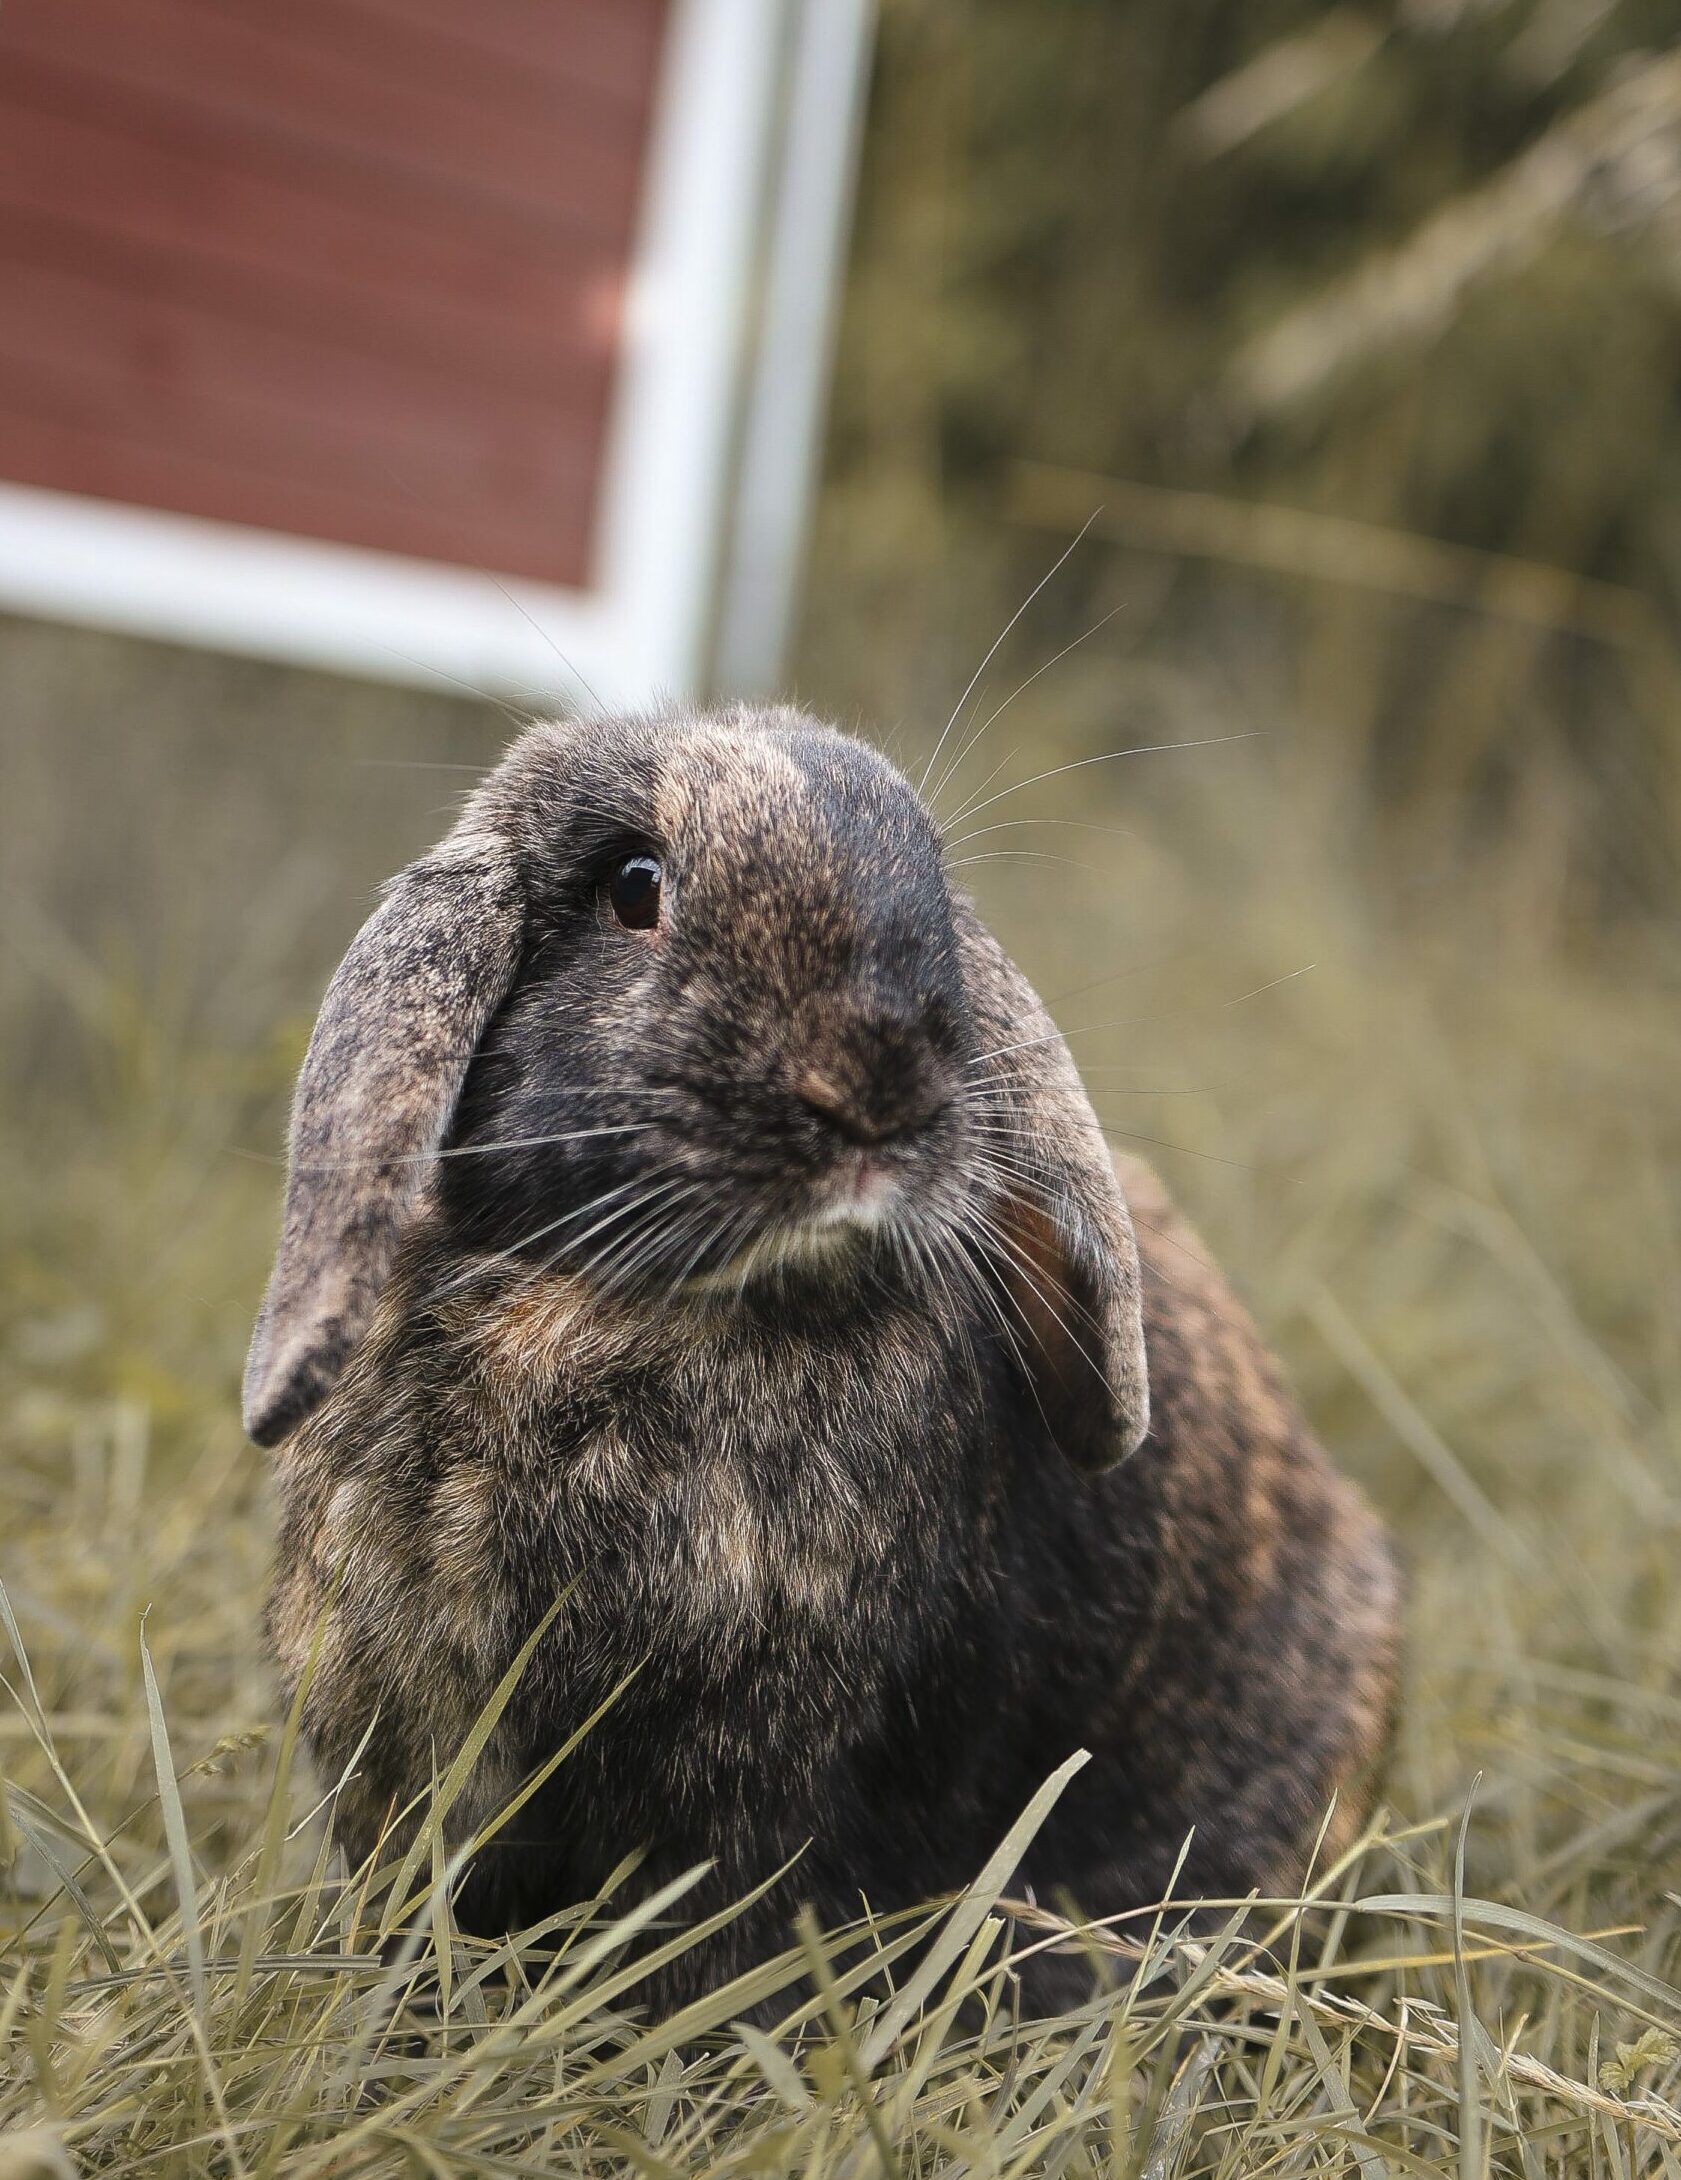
(744, 1560)
(718, 1510)
(755, 1537)
(760, 1576)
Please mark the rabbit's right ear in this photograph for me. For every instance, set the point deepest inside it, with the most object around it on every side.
(1061, 1236)
(380, 1082)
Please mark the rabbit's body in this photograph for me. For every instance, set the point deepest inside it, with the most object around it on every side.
(843, 1558)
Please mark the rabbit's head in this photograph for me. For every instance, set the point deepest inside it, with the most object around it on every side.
(681, 1006)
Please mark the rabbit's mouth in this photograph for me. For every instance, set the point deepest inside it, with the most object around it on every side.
(865, 1191)
(866, 1198)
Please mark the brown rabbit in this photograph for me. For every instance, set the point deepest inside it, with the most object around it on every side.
(694, 1216)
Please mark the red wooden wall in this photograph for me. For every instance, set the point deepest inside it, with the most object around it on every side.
(345, 268)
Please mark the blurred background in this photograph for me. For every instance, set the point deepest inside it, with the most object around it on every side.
(1315, 373)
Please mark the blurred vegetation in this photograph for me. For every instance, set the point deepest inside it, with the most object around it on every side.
(1355, 329)
(1412, 272)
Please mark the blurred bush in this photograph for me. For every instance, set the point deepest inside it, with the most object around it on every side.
(1358, 329)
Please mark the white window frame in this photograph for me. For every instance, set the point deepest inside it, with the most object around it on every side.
(640, 632)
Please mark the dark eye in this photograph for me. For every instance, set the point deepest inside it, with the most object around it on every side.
(633, 892)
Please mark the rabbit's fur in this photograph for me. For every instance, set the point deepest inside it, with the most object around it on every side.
(775, 1305)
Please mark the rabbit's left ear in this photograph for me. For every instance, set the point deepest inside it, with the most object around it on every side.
(1063, 1245)
(379, 1086)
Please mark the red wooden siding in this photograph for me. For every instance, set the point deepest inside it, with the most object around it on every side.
(347, 268)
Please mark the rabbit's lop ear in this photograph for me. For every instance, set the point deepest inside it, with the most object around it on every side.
(1062, 1245)
(379, 1086)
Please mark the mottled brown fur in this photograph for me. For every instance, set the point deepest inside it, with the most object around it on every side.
(1268, 1539)
(858, 1530)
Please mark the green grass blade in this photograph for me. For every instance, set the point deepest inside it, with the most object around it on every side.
(175, 1832)
(1440, 1907)
(456, 1777)
(972, 1909)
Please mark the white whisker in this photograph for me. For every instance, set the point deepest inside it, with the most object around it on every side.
(950, 773)
(1160, 1143)
(975, 677)
(481, 1264)
(1112, 756)
(473, 1150)
(1075, 825)
(1047, 1037)
(1023, 855)
(1026, 1271)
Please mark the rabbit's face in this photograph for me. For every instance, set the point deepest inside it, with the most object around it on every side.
(739, 1041)
(681, 1006)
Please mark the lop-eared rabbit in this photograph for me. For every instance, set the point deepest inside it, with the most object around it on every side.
(694, 1217)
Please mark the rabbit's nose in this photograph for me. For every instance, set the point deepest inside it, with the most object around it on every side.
(870, 1075)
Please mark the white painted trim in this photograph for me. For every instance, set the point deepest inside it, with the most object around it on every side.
(639, 631)
(822, 127)
(669, 447)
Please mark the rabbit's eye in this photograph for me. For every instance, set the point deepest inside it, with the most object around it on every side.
(633, 892)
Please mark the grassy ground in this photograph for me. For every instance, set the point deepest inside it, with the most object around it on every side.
(1432, 1128)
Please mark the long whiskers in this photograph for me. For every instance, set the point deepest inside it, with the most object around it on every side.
(656, 1194)
(957, 1249)
(722, 1238)
(990, 1237)
(1045, 1037)
(481, 1264)
(574, 672)
(1022, 855)
(1111, 756)
(975, 677)
(655, 1224)
(1075, 825)
(464, 1150)
(998, 711)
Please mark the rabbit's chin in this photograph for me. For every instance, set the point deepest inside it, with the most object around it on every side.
(827, 1236)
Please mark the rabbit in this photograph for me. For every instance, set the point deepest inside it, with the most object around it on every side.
(697, 1229)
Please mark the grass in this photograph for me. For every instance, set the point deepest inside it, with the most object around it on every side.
(1371, 990)
(1430, 1124)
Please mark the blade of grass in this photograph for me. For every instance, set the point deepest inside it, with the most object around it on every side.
(175, 1832)
(455, 1778)
(976, 1903)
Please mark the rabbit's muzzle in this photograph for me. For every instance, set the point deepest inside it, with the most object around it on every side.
(868, 1073)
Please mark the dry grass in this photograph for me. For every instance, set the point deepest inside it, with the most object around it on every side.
(1441, 1160)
